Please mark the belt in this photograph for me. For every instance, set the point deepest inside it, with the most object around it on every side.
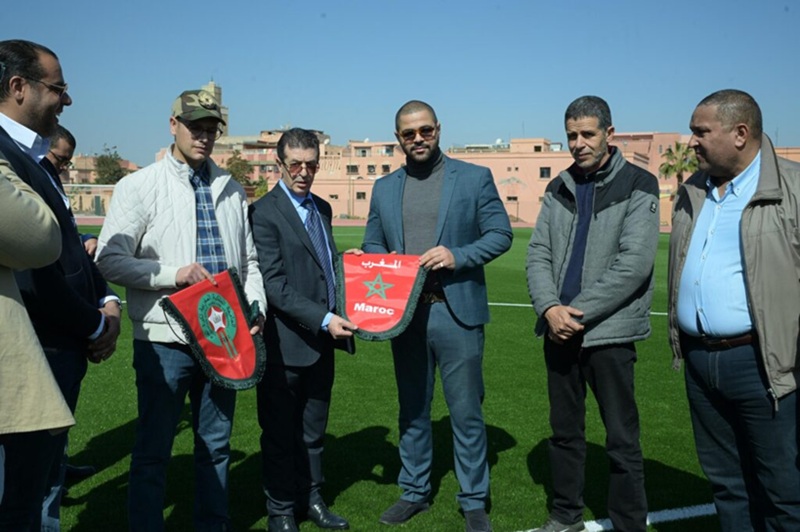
(718, 344)
(428, 298)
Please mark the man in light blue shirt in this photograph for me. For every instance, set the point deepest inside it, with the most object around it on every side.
(734, 305)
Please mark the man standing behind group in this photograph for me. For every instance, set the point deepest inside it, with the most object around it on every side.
(292, 232)
(172, 224)
(449, 213)
(590, 277)
(734, 312)
(75, 314)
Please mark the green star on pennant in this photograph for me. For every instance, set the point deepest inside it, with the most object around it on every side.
(377, 287)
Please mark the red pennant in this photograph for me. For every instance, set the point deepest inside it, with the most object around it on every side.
(379, 292)
(213, 320)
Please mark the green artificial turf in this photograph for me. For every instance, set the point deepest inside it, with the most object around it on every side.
(361, 461)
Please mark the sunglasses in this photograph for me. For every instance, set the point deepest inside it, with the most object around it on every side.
(295, 168)
(426, 132)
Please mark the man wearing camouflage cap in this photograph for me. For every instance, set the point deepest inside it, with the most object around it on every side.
(170, 225)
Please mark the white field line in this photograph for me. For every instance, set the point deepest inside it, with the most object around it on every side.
(528, 305)
(660, 516)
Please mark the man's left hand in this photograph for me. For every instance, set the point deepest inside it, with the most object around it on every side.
(259, 326)
(438, 258)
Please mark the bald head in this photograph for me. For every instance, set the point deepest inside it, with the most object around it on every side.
(414, 106)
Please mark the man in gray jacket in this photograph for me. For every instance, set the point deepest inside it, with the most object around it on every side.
(734, 313)
(590, 277)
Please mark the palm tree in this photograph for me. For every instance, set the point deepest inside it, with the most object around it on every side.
(678, 160)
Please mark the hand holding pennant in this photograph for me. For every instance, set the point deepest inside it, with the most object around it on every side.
(215, 320)
(379, 292)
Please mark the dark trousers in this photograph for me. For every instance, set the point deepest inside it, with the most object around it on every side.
(747, 444)
(69, 368)
(28, 457)
(609, 372)
(293, 407)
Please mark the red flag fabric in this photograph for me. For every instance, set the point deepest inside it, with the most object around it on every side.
(379, 292)
(216, 321)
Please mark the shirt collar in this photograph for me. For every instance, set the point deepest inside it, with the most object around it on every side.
(297, 201)
(28, 140)
(742, 181)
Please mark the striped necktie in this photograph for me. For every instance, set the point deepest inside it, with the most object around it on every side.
(314, 229)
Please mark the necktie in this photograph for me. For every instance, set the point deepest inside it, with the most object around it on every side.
(314, 229)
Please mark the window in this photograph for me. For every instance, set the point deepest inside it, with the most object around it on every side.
(371, 169)
(544, 172)
(386, 168)
(660, 148)
(511, 199)
(516, 168)
(508, 169)
(386, 151)
(537, 148)
(352, 169)
(363, 152)
(333, 196)
(361, 195)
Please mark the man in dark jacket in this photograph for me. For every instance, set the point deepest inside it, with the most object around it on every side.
(590, 277)
(75, 314)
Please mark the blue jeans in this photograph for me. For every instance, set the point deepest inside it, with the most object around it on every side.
(435, 338)
(165, 373)
(747, 445)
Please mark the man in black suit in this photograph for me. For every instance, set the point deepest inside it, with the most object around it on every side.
(73, 311)
(292, 233)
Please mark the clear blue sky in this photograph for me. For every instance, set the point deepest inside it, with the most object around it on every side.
(491, 69)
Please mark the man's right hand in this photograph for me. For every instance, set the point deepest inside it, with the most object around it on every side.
(193, 273)
(562, 323)
(341, 328)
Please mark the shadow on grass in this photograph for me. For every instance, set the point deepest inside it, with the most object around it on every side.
(666, 487)
(107, 501)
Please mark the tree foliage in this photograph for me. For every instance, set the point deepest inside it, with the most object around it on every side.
(262, 187)
(679, 159)
(108, 167)
(239, 168)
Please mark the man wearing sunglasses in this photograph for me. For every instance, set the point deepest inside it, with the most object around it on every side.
(75, 314)
(450, 214)
(172, 224)
(292, 231)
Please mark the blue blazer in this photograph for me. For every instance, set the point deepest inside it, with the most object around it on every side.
(472, 224)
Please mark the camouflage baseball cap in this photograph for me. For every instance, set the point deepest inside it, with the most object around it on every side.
(194, 105)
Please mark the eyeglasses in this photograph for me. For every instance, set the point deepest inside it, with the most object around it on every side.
(426, 132)
(60, 90)
(294, 169)
(62, 161)
(196, 131)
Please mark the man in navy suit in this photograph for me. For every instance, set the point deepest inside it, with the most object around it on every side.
(449, 213)
(75, 314)
(292, 234)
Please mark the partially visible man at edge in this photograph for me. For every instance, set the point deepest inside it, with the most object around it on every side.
(32, 405)
(172, 224)
(74, 312)
(734, 312)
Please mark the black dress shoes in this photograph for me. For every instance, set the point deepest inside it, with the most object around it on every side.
(75, 472)
(320, 515)
(281, 523)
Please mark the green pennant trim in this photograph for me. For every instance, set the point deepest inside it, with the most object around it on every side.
(251, 313)
(408, 315)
